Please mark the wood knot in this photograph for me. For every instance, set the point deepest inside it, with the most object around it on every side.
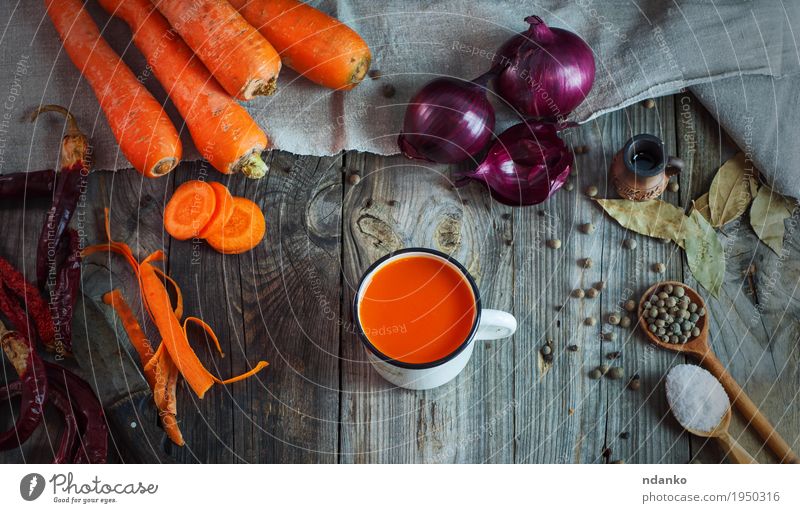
(448, 233)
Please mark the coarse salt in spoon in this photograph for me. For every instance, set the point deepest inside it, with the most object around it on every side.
(702, 407)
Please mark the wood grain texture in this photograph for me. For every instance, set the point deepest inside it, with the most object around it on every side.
(399, 204)
(289, 302)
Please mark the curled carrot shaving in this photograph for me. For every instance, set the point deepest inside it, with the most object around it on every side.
(167, 319)
(206, 328)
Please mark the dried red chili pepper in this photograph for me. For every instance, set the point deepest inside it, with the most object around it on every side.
(32, 302)
(89, 412)
(31, 372)
(66, 447)
(35, 184)
(71, 178)
(65, 292)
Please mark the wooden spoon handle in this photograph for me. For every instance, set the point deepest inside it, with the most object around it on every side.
(749, 410)
(733, 451)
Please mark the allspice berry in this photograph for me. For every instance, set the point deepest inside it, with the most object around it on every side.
(591, 191)
(649, 103)
(587, 228)
(354, 178)
(554, 243)
(590, 321)
(659, 267)
(674, 186)
(578, 293)
(569, 185)
(613, 319)
(595, 374)
(586, 263)
(634, 383)
(592, 293)
(629, 244)
(630, 305)
(625, 322)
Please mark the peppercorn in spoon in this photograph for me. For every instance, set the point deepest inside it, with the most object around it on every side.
(699, 347)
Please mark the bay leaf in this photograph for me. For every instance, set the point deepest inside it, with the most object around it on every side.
(730, 191)
(701, 205)
(767, 215)
(704, 253)
(654, 218)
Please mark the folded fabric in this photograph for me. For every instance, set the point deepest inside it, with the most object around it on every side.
(740, 59)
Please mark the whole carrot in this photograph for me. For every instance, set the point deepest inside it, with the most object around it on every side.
(222, 129)
(321, 48)
(236, 54)
(145, 134)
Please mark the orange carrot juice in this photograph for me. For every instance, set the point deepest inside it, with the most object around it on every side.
(417, 309)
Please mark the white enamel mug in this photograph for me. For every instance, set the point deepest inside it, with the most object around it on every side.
(488, 325)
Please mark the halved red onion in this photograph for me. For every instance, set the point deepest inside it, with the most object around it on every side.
(525, 165)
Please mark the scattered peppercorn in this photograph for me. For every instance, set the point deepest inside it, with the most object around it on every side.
(587, 228)
(578, 293)
(625, 322)
(634, 383)
(388, 91)
(586, 263)
(649, 103)
(600, 285)
(572, 347)
(591, 191)
(616, 372)
(569, 185)
(590, 321)
(613, 319)
(624, 435)
(354, 179)
(595, 374)
(629, 244)
(554, 243)
(546, 349)
(659, 267)
(674, 187)
(604, 369)
(613, 355)
(592, 293)
(609, 336)
(630, 305)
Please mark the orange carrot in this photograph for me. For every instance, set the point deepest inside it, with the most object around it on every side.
(189, 209)
(222, 212)
(158, 305)
(233, 51)
(223, 131)
(159, 371)
(243, 231)
(145, 134)
(321, 48)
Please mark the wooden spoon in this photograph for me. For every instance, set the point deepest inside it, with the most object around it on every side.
(699, 348)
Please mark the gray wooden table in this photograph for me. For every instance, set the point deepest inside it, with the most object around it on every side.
(288, 302)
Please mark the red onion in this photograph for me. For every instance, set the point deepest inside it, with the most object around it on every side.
(447, 121)
(525, 165)
(544, 72)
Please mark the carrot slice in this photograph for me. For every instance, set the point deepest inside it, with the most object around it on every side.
(222, 212)
(189, 209)
(243, 231)
(321, 48)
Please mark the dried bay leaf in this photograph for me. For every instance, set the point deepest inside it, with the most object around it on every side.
(701, 205)
(730, 191)
(654, 218)
(704, 253)
(767, 215)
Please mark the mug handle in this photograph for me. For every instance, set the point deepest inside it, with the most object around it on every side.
(495, 324)
(674, 166)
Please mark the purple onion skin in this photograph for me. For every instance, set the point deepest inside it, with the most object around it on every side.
(447, 121)
(525, 165)
(544, 72)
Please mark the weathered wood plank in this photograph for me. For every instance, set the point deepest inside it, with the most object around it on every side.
(398, 204)
(754, 328)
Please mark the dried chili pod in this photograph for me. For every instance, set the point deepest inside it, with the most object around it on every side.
(31, 372)
(88, 410)
(32, 303)
(71, 178)
(35, 184)
(65, 292)
(66, 447)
